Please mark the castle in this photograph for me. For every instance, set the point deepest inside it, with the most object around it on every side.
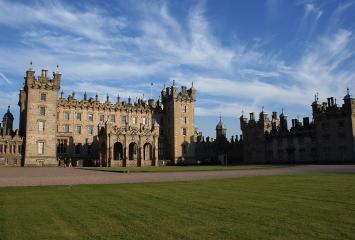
(55, 130)
(328, 138)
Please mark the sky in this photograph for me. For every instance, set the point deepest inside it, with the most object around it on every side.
(241, 56)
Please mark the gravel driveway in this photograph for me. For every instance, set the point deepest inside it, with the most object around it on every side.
(71, 176)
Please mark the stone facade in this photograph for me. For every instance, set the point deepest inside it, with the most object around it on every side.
(10, 142)
(88, 132)
(329, 138)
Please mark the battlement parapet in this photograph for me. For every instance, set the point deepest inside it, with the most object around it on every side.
(43, 81)
(91, 103)
(184, 94)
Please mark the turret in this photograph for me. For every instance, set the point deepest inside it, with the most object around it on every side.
(7, 122)
(221, 130)
(283, 121)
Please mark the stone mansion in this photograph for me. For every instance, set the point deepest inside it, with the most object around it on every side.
(54, 129)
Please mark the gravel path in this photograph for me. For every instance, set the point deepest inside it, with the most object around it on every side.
(71, 176)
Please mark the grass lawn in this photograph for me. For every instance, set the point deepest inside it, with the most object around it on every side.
(319, 206)
(180, 168)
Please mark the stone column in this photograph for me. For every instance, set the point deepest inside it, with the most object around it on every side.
(155, 147)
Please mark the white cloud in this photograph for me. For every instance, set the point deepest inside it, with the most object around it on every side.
(4, 78)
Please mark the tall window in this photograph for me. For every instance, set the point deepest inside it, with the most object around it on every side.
(42, 110)
(112, 118)
(66, 116)
(184, 108)
(145, 121)
(66, 128)
(40, 147)
(134, 120)
(184, 120)
(78, 116)
(102, 118)
(123, 120)
(90, 117)
(78, 129)
(90, 129)
(41, 126)
(43, 97)
(184, 132)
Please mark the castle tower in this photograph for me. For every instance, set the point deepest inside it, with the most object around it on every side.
(7, 122)
(221, 130)
(179, 110)
(38, 118)
(254, 137)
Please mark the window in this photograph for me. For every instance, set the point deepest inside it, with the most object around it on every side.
(66, 128)
(184, 132)
(123, 120)
(90, 130)
(145, 121)
(41, 126)
(40, 147)
(102, 118)
(184, 108)
(78, 116)
(78, 129)
(112, 118)
(43, 97)
(184, 120)
(134, 120)
(66, 116)
(42, 110)
(1, 148)
(90, 117)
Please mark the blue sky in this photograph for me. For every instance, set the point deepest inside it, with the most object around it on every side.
(241, 55)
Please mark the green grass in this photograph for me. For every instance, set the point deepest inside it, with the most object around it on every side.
(180, 168)
(320, 206)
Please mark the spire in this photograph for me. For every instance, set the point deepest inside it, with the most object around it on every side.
(151, 90)
(107, 98)
(262, 109)
(173, 82)
(220, 117)
(85, 95)
(347, 96)
(30, 67)
(57, 70)
(8, 108)
(96, 97)
(62, 94)
(118, 98)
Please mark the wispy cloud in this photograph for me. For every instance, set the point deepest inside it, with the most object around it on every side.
(4, 78)
(107, 52)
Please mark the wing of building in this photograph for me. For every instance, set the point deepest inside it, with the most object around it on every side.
(88, 132)
(56, 130)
